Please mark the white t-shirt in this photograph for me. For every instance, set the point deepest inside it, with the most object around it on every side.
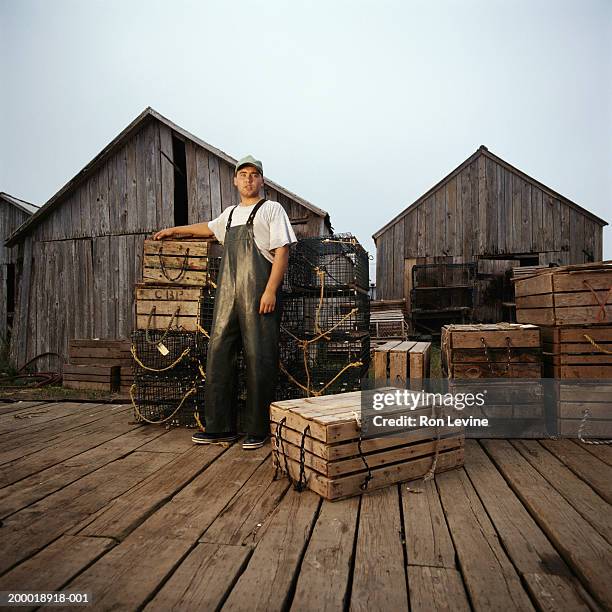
(271, 226)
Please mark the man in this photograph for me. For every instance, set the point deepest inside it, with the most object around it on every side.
(256, 235)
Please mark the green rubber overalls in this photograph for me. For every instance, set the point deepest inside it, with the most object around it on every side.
(243, 276)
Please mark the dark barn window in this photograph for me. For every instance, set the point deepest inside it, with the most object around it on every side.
(181, 214)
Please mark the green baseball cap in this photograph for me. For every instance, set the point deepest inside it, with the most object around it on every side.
(249, 160)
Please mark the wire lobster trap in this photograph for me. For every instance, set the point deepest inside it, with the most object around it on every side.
(171, 400)
(329, 261)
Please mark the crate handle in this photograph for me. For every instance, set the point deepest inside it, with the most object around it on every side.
(151, 315)
(163, 267)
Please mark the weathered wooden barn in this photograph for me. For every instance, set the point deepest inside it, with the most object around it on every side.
(13, 213)
(85, 243)
(491, 215)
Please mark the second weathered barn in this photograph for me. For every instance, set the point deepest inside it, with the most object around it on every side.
(85, 244)
(491, 214)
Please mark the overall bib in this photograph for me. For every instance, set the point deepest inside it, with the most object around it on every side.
(243, 275)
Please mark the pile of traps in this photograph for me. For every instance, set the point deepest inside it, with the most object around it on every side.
(324, 342)
(174, 305)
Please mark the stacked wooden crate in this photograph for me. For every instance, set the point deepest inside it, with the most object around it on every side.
(396, 362)
(174, 304)
(318, 443)
(573, 306)
(97, 365)
(494, 352)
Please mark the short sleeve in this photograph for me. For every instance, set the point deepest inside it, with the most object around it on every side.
(281, 232)
(217, 226)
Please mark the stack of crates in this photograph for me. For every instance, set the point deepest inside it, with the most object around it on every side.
(324, 343)
(174, 305)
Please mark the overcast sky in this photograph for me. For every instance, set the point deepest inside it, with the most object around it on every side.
(358, 106)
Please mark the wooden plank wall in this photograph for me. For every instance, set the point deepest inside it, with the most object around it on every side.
(485, 211)
(87, 253)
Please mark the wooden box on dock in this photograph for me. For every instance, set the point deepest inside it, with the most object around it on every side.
(398, 362)
(572, 295)
(163, 307)
(578, 351)
(99, 352)
(176, 262)
(98, 378)
(495, 350)
(333, 466)
(585, 408)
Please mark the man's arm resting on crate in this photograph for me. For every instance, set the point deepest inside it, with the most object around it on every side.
(196, 230)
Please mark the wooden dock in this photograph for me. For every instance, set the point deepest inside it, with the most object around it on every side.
(143, 519)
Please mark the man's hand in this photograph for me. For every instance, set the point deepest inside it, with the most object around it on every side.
(267, 302)
(164, 234)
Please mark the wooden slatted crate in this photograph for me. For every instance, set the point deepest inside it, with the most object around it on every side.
(333, 466)
(572, 295)
(495, 350)
(100, 378)
(163, 307)
(176, 262)
(578, 351)
(593, 399)
(99, 352)
(399, 362)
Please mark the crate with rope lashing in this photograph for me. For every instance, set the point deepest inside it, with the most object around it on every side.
(570, 295)
(176, 262)
(166, 308)
(318, 443)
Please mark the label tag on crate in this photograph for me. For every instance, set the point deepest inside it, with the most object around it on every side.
(162, 349)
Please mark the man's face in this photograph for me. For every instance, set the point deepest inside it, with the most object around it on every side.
(248, 181)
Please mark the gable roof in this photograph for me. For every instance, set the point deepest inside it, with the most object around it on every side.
(26, 207)
(147, 115)
(482, 150)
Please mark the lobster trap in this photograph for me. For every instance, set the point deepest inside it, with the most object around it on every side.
(328, 261)
(174, 400)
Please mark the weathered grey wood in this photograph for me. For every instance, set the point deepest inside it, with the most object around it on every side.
(490, 578)
(554, 593)
(165, 214)
(325, 570)
(580, 545)
(398, 261)
(436, 588)
(203, 580)
(379, 580)
(215, 186)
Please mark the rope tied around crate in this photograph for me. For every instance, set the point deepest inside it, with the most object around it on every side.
(366, 480)
(172, 365)
(434, 463)
(279, 447)
(597, 346)
(300, 485)
(488, 356)
(151, 315)
(189, 393)
(602, 315)
(163, 267)
(586, 414)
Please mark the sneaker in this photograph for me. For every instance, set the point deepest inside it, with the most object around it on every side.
(253, 442)
(201, 437)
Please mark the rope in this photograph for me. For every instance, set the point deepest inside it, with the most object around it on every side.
(202, 331)
(434, 464)
(196, 416)
(300, 485)
(585, 417)
(279, 446)
(151, 314)
(318, 392)
(163, 268)
(366, 481)
(597, 346)
(173, 364)
(602, 315)
(140, 416)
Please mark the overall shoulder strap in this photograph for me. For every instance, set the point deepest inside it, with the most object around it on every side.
(229, 219)
(254, 211)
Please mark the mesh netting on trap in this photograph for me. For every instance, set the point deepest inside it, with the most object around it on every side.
(333, 261)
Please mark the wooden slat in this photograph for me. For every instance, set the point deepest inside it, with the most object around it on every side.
(490, 578)
(203, 580)
(577, 541)
(554, 593)
(326, 567)
(378, 587)
(436, 589)
(267, 581)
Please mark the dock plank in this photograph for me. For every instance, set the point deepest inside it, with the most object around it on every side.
(428, 541)
(580, 545)
(325, 570)
(490, 578)
(601, 451)
(379, 576)
(436, 589)
(554, 593)
(268, 578)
